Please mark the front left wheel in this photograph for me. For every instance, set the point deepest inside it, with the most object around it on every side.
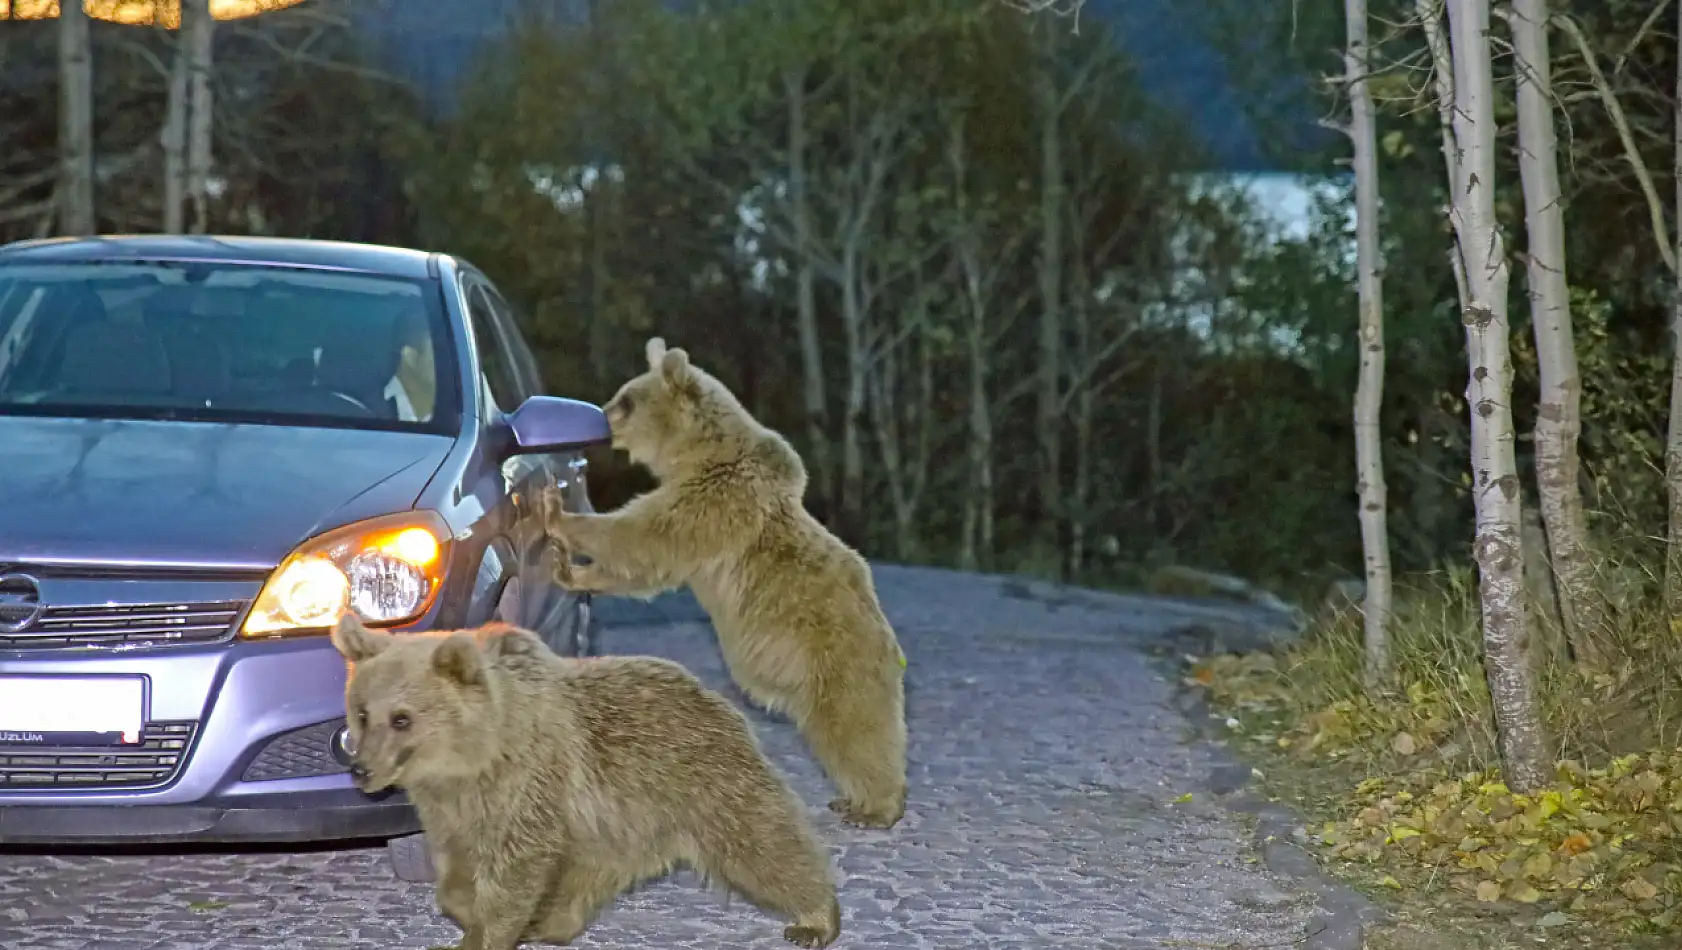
(411, 859)
(580, 632)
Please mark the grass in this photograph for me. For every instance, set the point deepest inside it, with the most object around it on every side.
(1405, 790)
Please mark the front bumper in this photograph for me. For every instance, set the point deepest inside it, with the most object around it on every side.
(244, 753)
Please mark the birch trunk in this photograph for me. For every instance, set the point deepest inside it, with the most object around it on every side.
(1430, 17)
(1498, 546)
(1047, 416)
(1372, 493)
(200, 29)
(1559, 412)
(852, 449)
(174, 138)
(76, 147)
(976, 551)
(1673, 435)
(978, 281)
(816, 402)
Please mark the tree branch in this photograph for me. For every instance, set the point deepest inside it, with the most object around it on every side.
(1632, 153)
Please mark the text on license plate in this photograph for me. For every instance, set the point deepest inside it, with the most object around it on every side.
(67, 710)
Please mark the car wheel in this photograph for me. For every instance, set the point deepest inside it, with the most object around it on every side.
(580, 631)
(411, 859)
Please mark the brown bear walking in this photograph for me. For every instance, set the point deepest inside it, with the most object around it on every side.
(548, 786)
(796, 610)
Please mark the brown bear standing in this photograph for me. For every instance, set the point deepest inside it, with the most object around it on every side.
(796, 610)
(548, 786)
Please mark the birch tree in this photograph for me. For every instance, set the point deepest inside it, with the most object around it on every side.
(985, 239)
(188, 122)
(1670, 253)
(1498, 545)
(1048, 419)
(1370, 488)
(1559, 411)
(76, 143)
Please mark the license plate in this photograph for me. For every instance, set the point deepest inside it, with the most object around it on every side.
(75, 711)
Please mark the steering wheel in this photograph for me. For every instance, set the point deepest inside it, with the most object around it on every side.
(347, 397)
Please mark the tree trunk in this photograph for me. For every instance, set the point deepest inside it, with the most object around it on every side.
(1080, 518)
(884, 378)
(1048, 416)
(1371, 491)
(815, 400)
(174, 137)
(593, 182)
(1153, 451)
(1673, 436)
(1498, 546)
(976, 551)
(1558, 414)
(76, 145)
(1430, 16)
(200, 28)
(851, 522)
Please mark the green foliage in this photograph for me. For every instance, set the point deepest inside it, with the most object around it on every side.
(1413, 794)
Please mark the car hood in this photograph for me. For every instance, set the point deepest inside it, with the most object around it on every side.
(192, 494)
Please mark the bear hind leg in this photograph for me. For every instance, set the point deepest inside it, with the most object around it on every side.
(862, 749)
(784, 873)
(578, 897)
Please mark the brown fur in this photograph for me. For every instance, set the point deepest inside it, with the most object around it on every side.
(548, 786)
(796, 610)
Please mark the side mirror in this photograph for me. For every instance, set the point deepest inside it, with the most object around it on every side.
(553, 424)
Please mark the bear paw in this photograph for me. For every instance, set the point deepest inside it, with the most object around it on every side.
(809, 937)
(854, 813)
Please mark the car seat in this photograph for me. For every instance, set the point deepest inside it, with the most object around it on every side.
(201, 367)
(110, 359)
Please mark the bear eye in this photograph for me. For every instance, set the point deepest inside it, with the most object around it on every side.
(625, 403)
(362, 717)
(400, 721)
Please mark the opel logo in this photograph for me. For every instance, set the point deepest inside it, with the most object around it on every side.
(20, 602)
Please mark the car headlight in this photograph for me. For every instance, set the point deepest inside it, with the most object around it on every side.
(386, 569)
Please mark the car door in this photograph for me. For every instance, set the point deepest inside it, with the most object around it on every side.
(525, 599)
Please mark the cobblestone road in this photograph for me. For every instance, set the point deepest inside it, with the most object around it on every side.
(1047, 764)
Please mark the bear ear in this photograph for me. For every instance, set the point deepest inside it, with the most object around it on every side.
(500, 640)
(655, 350)
(674, 368)
(356, 642)
(458, 660)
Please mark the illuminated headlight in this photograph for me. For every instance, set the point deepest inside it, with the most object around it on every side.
(386, 569)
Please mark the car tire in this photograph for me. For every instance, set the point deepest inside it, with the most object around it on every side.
(580, 633)
(411, 859)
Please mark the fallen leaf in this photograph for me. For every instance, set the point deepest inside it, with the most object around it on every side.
(1183, 799)
(1553, 919)
(1538, 865)
(1576, 843)
(1524, 893)
(1489, 891)
(1639, 889)
(1388, 881)
(1404, 744)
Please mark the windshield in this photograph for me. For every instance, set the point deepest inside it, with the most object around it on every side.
(224, 343)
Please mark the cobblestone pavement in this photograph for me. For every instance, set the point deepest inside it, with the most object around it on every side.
(1047, 768)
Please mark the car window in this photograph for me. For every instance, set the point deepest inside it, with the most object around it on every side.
(495, 366)
(224, 342)
(525, 364)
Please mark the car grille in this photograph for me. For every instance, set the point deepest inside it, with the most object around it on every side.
(155, 761)
(301, 753)
(128, 624)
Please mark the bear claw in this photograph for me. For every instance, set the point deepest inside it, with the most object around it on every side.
(809, 937)
(855, 814)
